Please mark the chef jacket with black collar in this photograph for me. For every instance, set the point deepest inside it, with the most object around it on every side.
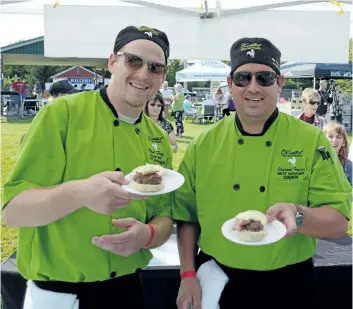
(228, 171)
(75, 137)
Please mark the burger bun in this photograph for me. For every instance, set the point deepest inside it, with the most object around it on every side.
(251, 236)
(149, 169)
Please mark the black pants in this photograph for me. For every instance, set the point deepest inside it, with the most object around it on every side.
(178, 117)
(119, 293)
(293, 286)
(337, 118)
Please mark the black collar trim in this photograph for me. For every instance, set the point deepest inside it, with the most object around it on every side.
(104, 95)
(267, 125)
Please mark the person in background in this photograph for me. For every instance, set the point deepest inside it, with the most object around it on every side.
(20, 87)
(230, 107)
(218, 99)
(154, 109)
(337, 136)
(38, 90)
(178, 109)
(188, 110)
(335, 101)
(61, 88)
(311, 100)
(322, 109)
(46, 97)
(167, 95)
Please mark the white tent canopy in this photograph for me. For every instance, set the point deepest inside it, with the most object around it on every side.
(204, 71)
(194, 37)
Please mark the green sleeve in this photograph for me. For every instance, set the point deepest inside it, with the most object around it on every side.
(328, 183)
(42, 159)
(160, 205)
(184, 200)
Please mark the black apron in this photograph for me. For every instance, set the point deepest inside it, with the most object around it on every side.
(293, 286)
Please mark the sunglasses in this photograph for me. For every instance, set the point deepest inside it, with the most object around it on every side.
(264, 78)
(154, 104)
(314, 102)
(134, 63)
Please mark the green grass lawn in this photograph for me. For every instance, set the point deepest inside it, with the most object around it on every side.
(11, 133)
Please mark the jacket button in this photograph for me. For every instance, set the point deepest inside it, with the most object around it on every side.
(240, 141)
(118, 169)
(236, 187)
(112, 274)
(262, 189)
(116, 122)
(268, 144)
(137, 130)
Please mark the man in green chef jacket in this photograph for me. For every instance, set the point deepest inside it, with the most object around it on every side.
(259, 159)
(81, 234)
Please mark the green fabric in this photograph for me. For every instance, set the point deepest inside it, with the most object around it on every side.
(73, 137)
(215, 161)
(178, 104)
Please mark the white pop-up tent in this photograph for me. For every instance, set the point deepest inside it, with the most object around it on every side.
(204, 71)
(194, 32)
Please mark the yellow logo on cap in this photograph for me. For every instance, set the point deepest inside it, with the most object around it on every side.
(147, 29)
(247, 46)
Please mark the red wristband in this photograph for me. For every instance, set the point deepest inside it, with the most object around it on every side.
(153, 232)
(188, 274)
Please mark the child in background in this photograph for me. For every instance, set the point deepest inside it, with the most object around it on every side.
(337, 136)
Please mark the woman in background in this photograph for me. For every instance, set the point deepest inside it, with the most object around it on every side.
(311, 100)
(337, 136)
(154, 109)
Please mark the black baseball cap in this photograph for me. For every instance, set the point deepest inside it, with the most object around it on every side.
(132, 33)
(255, 50)
(62, 86)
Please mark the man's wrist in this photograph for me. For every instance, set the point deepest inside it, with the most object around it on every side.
(76, 190)
(188, 274)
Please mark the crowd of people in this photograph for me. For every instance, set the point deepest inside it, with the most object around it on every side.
(84, 239)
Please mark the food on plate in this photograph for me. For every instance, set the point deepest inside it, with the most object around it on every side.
(148, 178)
(250, 226)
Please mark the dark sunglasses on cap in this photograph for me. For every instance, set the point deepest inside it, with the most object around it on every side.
(264, 78)
(134, 63)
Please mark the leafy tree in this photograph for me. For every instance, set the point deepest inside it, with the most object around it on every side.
(174, 65)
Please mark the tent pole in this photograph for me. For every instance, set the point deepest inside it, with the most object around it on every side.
(185, 83)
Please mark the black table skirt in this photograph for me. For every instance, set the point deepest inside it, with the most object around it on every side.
(333, 264)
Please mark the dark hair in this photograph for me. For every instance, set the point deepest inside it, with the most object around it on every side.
(157, 97)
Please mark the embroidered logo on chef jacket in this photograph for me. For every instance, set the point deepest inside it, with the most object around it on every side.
(157, 140)
(291, 166)
(154, 152)
(292, 161)
(292, 153)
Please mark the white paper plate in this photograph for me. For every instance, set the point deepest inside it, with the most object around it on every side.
(172, 181)
(276, 230)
